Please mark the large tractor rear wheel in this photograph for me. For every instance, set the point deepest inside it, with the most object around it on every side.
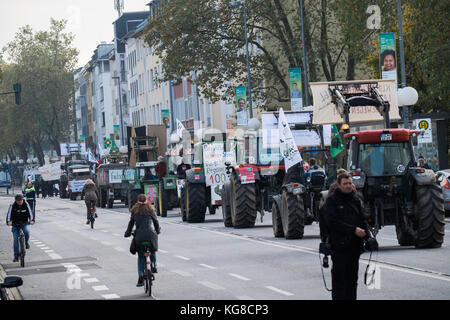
(277, 224)
(292, 215)
(242, 202)
(430, 215)
(195, 202)
(226, 209)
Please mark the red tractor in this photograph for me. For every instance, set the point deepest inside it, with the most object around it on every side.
(392, 188)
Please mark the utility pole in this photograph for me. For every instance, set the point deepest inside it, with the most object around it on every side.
(402, 60)
(305, 70)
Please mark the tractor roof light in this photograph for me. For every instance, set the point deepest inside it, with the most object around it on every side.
(345, 127)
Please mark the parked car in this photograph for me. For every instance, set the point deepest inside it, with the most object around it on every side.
(443, 177)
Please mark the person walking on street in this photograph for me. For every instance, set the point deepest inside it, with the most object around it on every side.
(30, 196)
(161, 168)
(347, 228)
(90, 194)
(147, 229)
(18, 217)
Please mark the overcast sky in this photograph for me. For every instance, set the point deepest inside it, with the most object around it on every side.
(90, 20)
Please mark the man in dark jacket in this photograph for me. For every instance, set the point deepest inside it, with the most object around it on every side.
(19, 216)
(347, 229)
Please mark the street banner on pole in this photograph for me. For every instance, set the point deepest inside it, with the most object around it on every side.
(295, 85)
(165, 118)
(288, 148)
(117, 132)
(388, 57)
(426, 132)
(241, 106)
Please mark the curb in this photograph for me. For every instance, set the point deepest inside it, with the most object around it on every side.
(14, 293)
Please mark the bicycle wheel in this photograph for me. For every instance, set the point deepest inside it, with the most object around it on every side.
(149, 282)
(92, 222)
(22, 250)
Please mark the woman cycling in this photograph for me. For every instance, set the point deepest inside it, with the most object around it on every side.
(147, 230)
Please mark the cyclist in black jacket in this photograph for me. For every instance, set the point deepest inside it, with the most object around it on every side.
(19, 216)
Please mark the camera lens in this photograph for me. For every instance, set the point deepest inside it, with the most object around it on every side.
(325, 262)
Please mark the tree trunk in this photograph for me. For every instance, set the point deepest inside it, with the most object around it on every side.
(351, 66)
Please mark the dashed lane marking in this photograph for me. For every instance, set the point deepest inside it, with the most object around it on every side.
(183, 258)
(182, 273)
(280, 291)
(211, 285)
(208, 266)
(100, 288)
(237, 276)
(110, 296)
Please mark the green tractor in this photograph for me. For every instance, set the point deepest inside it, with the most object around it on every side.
(167, 198)
(202, 184)
(138, 180)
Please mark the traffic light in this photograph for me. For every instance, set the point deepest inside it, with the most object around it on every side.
(17, 91)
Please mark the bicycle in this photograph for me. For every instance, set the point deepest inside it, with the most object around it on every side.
(92, 214)
(148, 275)
(8, 283)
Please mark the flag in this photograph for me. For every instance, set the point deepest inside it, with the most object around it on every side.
(288, 147)
(336, 143)
(180, 129)
(90, 157)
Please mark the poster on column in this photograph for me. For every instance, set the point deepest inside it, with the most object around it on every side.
(241, 106)
(295, 85)
(117, 132)
(388, 57)
(165, 117)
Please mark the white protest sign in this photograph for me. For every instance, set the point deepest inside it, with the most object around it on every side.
(288, 148)
(51, 172)
(215, 170)
(325, 112)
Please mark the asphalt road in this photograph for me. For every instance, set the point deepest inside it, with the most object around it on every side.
(70, 261)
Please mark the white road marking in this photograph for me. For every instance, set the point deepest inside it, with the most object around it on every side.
(119, 249)
(207, 266)
(40, 245)
(100, 288)
(182, 273)
(91, 280)
(48, 251)
(110, 296)
(44, 248)
(105, 231)
(116, 234)
(183, 258)
(54, 256)
(239, 277)
(106, 243)
(280, 291)
(163, 251)
(211, 285)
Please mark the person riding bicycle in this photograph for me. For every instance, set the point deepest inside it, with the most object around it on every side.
(19, 216)
(90, 194)
(30, 196)
(147, 230)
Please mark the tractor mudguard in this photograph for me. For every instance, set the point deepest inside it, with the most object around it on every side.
(195, 177)
(247, 174)
(422, 176)
(277, 200)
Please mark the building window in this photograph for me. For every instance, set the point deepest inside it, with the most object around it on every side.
(103, 120)
(102, 94)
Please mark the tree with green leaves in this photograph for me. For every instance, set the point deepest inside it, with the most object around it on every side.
(43, 62)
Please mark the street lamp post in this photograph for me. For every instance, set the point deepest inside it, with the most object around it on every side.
(242, 3)
(120, 111)
(402, 60)
(305, 70)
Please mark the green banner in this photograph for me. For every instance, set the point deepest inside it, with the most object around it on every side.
(117, 132)
(336, 143)
(295, 85)
(241, 106)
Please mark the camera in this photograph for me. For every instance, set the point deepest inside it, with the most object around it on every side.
(371, 244)
(325, 249)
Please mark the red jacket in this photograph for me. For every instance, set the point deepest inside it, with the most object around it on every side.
(161, 170)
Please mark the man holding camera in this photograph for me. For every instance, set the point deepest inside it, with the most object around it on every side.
(347, 229)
